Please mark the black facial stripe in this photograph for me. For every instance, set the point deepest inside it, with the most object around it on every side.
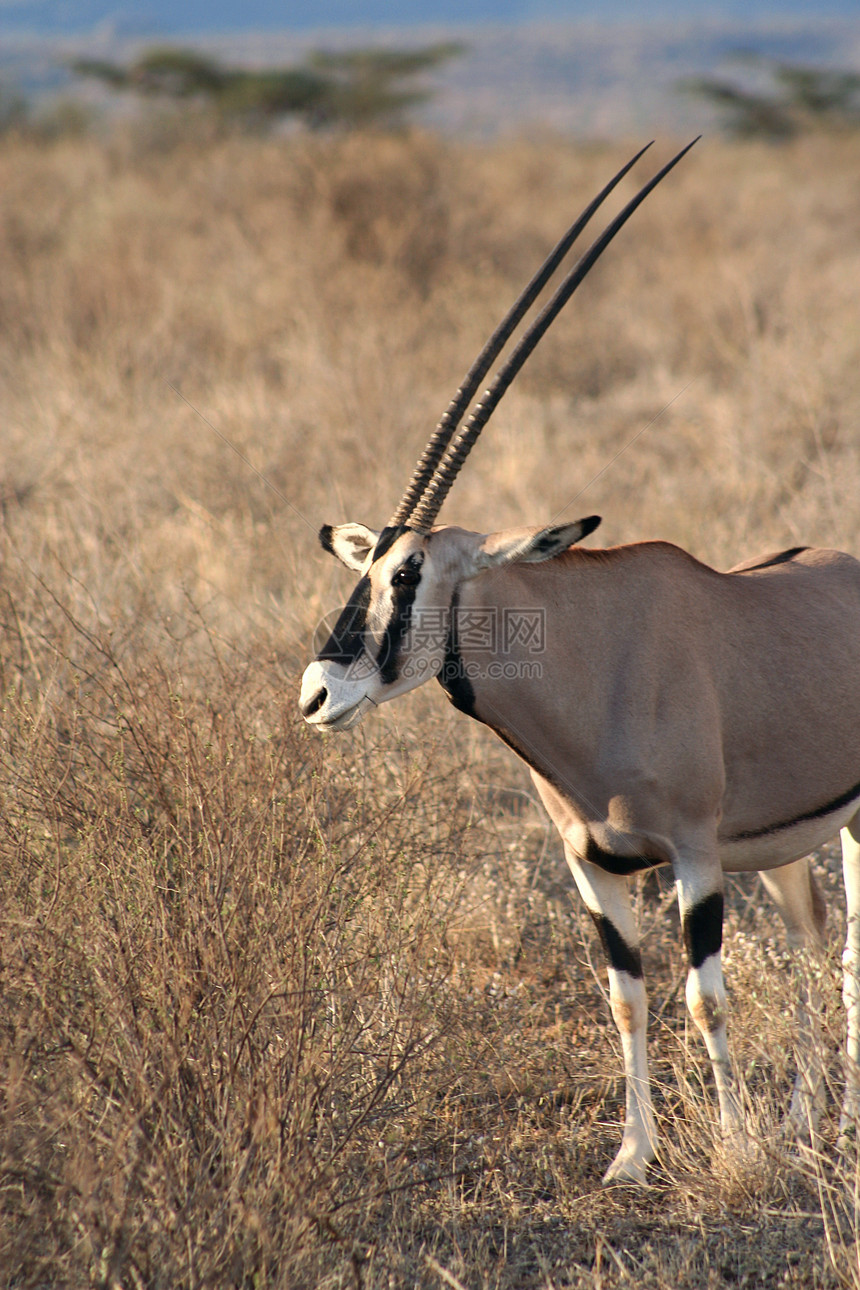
(610, 862)
(817, 814)
(395, 632)
(398, 625)
(386, 540)
(703, 929)
(346, 642)
(621, 956)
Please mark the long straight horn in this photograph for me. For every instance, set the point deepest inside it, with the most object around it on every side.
(453, 414)
(437, 489)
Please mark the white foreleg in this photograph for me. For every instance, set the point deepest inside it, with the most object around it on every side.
(850, 1119)
(796, 894)
(607, 898)
(700, 897)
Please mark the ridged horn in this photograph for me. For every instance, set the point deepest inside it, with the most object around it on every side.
(438, 487)
(451, 417)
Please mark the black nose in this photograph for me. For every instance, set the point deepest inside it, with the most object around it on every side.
(310, 706)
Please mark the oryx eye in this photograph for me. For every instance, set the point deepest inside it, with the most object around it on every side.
(408, 575)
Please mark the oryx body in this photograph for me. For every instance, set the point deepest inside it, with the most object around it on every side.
(670, 715)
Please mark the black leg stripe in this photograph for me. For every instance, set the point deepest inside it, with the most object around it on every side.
(619, 955)
(388, 658)
(703, 929)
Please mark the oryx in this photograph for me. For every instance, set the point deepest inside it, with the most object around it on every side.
(670, 714)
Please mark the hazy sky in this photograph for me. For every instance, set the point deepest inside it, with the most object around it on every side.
(223, 15)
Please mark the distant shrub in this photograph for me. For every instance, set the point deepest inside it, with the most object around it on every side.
(14, 112)
(355, 88)
(793, 99)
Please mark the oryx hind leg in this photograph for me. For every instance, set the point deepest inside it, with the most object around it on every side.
(700, 897)
(800, 903)
(850, 1119)
(607, 898)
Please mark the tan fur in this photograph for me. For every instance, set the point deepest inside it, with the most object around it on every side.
(673, 692)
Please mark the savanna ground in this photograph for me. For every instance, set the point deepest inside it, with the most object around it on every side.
(284, 1011)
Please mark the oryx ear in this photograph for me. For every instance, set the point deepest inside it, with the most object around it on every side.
(351, 543)
(527, 546)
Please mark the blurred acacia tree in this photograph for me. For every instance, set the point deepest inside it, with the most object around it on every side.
(358, 87)
(786, 100)
(14, 110)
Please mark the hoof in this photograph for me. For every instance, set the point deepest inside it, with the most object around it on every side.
(628, 1167)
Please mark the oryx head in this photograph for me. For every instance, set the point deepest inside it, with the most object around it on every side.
(384, 641)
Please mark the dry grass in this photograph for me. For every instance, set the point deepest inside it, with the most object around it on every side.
(278, 1011)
